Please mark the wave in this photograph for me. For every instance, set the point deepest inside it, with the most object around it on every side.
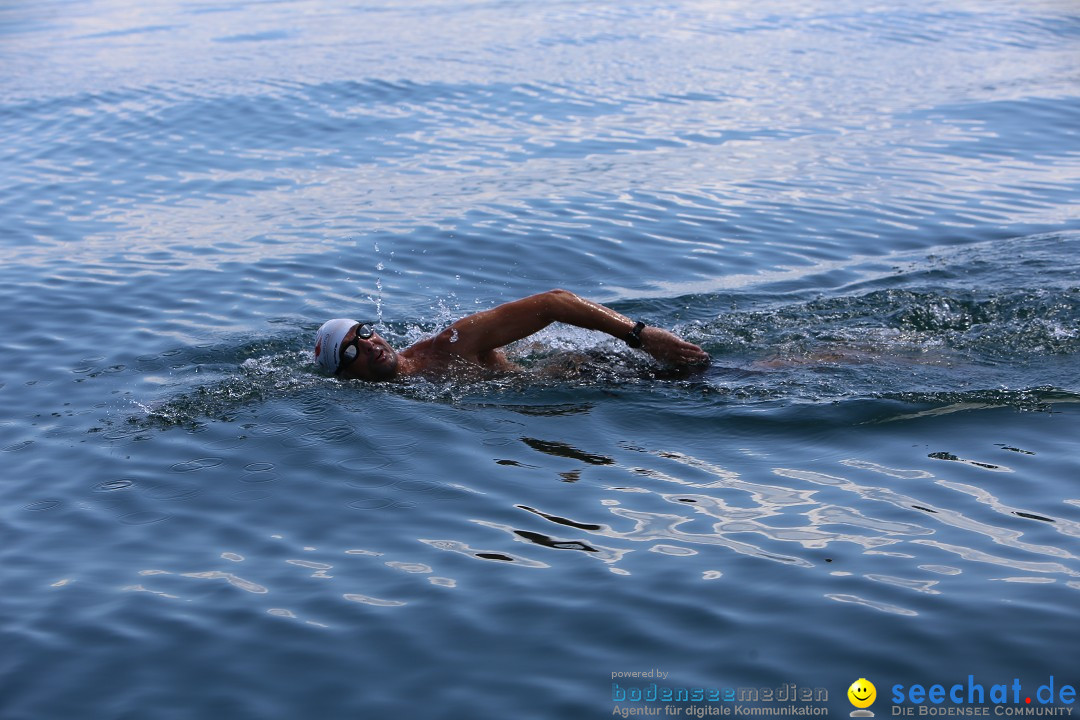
(986, 326)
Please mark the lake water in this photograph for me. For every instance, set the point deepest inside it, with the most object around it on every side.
(866, 212)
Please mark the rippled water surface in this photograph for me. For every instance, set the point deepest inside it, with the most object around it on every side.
(867, 214)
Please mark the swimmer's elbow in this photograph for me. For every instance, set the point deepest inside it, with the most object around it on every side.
(558, 304)
(558, 297)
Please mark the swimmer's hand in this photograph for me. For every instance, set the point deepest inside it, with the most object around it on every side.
(669, 348)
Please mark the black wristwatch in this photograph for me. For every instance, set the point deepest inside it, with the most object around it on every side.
(633, 338)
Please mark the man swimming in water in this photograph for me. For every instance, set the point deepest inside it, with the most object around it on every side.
(351, 349)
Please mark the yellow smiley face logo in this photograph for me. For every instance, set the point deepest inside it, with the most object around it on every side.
(862, 693)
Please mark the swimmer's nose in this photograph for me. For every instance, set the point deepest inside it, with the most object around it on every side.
(368, 345)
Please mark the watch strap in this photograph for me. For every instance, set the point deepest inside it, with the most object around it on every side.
(633, 338)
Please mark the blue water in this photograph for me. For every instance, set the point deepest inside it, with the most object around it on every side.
(867, 214)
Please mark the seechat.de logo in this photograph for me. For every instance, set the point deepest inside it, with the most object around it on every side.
(862, 695)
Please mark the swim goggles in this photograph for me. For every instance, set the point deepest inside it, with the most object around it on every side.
(350, 350)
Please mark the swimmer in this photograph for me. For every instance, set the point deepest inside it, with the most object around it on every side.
(351, 349)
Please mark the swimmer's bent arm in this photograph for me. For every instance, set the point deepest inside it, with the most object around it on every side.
(484, 332)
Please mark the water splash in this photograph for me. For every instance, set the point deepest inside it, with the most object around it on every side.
(915, 341)
(377, 299)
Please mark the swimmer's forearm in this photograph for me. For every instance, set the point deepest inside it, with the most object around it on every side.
(567, 307)
(664, 346)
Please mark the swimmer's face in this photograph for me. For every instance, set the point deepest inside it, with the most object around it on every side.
(375, 360)
(862, 693)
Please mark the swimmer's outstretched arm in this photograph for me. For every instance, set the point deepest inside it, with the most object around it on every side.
(489, 330)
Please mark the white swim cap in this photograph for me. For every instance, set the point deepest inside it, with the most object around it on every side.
(328, 342)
